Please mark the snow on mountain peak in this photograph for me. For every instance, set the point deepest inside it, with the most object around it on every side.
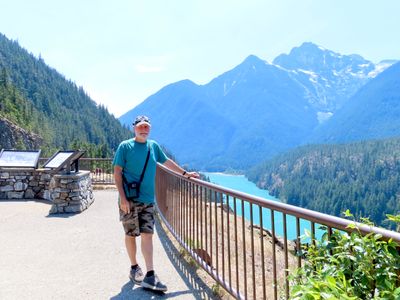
(380, 67)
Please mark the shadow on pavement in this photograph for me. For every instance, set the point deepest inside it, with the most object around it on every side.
(62, 215)
(196, 287)
(27, 200)
(130, 291)
(199, 289)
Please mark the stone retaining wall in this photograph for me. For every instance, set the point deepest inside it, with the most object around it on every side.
(71, 193)
(68, 193)
(24, 184)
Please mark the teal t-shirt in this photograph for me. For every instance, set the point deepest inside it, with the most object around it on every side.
(131, 157)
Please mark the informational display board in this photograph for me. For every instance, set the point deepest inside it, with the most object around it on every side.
(19, 158)
(58, 159)
(78, 155)
(64, 159)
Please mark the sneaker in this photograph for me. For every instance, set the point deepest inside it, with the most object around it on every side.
(136, 275)
(153, 283)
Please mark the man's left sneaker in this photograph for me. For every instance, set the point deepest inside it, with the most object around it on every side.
(153, 283)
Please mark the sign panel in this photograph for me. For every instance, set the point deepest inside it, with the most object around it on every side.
(77, 156)
(58, 159)
(19, 158)
(64, 159)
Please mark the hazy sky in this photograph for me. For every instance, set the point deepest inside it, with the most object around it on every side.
(123, 51)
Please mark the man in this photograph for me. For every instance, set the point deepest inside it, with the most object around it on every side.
(137, 215)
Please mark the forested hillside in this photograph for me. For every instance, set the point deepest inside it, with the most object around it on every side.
(38, 98)
(363, 177)
(19, 110)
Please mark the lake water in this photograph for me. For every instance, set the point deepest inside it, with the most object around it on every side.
(242, 184)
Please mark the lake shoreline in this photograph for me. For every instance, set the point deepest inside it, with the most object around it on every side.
(242, 184)
(222, 173)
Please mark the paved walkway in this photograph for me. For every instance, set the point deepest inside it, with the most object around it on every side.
(80, 256)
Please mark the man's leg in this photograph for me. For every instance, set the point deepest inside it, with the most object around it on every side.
(130, 223)
(147, 249)
(146, 220)
(135, 274)
(130, 243)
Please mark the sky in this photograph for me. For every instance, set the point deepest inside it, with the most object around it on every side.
(123, 51)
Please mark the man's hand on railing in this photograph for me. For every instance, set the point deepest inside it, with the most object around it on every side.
(192, 174)
(170, 164)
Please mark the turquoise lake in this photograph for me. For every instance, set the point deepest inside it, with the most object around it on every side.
(242, 184)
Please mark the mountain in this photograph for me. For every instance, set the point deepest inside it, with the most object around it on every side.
(250, 112)
(257, 109)
(328, 77)
(363, 177)
(360, 176)
(177, 114)
(39, 99)
(373, 112)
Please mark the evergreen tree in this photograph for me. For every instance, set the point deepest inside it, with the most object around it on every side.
(363, 177)
(39, 99)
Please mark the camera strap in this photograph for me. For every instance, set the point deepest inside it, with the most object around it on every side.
(145, 165)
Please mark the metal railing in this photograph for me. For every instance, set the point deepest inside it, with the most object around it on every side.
(101, 170)
(246, 243)
(224, 231)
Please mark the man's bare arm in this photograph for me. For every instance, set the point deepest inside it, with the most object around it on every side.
(124, 204)
(170, 164)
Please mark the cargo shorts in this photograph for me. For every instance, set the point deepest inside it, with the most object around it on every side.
(139, 220)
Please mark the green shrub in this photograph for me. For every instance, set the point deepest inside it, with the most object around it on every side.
(349, 266)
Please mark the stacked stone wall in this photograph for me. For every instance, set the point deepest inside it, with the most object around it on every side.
(69, 193)
(24, 184)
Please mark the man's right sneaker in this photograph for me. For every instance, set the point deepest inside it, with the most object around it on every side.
(153, 283)
(136, 275)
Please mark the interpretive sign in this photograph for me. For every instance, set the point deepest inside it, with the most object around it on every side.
(78, 155)
(58, 159)
(19, 158)
(64, 159)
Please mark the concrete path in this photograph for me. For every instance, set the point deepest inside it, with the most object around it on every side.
(80, 256)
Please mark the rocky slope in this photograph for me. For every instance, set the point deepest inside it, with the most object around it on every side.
(12, 136)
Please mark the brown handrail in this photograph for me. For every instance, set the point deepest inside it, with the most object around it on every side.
(302, 213)
(235, 252)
